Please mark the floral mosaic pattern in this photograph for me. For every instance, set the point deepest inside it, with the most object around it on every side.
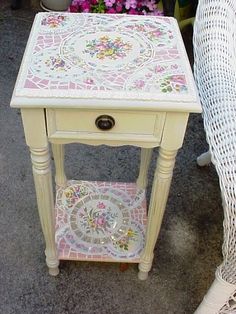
(158, 34)
(124, 242)
(174, 83)
(54, 20)
(74, 192)
(97, 220)
(56, 63)
(106, 47)
(106, 56)
(129, 244)
(98, 215)
(94, 221)
(168, 78)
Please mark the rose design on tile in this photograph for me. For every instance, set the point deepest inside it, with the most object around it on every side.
(97, 220)
(125, 241)
(56, 64)
(54, 20)
(174, 83)
(161, 36)
(74, 193)
(107, 48)
(139, 84)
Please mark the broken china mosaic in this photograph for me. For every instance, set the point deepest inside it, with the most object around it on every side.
(100, 221)
(80, 54)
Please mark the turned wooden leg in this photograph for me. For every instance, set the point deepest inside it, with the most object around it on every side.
(43, 185)
(58, 154)
(146, 155)
(160, 191)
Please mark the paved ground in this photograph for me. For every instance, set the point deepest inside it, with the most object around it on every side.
(188, 249)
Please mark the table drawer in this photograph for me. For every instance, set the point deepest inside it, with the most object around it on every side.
(79, 124)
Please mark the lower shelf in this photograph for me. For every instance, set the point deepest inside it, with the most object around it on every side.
(100, 221)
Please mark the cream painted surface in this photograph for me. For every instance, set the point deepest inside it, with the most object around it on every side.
(146, 155)
(81, 124)
(58, 154)
(145, 123)
(159, 196)
(142, 129)
(34, 127)
(40, 158)
(146, 141)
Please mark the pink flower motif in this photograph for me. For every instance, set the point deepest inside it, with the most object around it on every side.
(111, 11)
(131, 4)
(133, 11)
(178, 79)
(139, 84)
(109, 3)
(100, 221)
(76, 3)
(157, 12)
(138, 7)
(119, 7)
(150, 4)
(73, 8)
(139, 4)
(157, 33)
(101, 205)
(159, 69)
(85, 7)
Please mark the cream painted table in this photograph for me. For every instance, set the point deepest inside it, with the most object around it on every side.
(103, 79)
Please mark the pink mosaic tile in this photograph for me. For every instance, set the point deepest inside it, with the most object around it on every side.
(124, 56)
(100, 221)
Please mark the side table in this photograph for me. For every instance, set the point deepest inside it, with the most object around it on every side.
(103, 79)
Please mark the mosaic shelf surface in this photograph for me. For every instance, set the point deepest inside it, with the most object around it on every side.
(100, 221)
(105, 56)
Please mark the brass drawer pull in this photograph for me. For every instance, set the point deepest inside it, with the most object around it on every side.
(105, 122)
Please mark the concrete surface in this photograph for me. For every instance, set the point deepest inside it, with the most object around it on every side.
(189, 246)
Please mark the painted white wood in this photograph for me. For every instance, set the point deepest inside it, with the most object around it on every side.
(36, 139)
(204, 159)
(144, 119)
(146, 155)
(84, 121)
(129, 125)
(105, 138)
(217, 295)
(43, 185)
(58, 154)
(169, 130)
(160, 191)
(174, 130)
(34, 127)
(93, 104)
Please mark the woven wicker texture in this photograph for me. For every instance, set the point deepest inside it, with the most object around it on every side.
(215, 73)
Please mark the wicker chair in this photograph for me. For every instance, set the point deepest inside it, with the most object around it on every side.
(215, 73)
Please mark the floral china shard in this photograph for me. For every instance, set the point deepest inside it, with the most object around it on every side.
(105, 56)
(100, 221)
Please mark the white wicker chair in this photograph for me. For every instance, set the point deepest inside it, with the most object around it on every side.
(215, 73)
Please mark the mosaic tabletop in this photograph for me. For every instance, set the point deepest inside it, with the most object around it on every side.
(104, 56)
(100, 221)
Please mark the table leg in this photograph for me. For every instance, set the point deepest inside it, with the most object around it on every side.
(58, 154)
(146, 155)
(43, 184)
(159, 196)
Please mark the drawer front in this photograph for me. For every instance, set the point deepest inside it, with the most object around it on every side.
(79, 124)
